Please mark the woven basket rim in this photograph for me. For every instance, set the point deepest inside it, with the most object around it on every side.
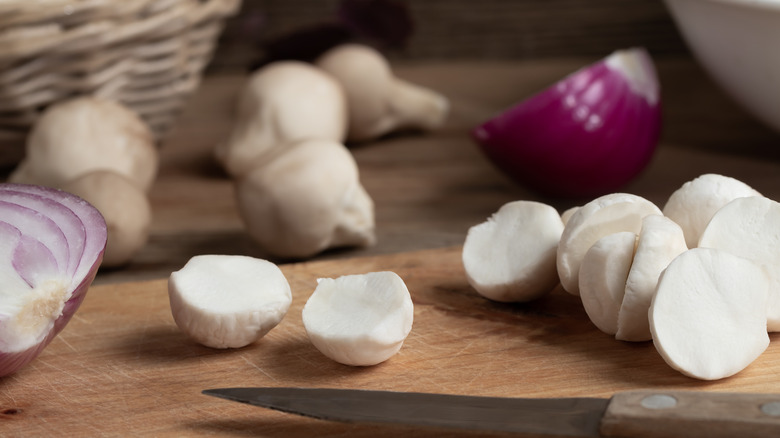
(27, 29)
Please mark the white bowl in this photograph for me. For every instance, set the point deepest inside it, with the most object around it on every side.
(738, 43)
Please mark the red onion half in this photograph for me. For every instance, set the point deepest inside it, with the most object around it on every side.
(586, 135)
(51, 245)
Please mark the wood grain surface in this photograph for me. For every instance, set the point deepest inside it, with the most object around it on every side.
(122, 367)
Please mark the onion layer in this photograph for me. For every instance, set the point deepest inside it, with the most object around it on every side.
(51, 245)
(587, 135)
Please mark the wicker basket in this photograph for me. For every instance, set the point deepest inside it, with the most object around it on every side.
(147, 54)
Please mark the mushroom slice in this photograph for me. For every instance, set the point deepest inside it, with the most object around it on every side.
(693, 204)
(359, 319)
(602, 216)
(84, 134)
(708, 316)
(660, 241)
(228, 301)
(511, 256)
(748, 227)
(603, 275)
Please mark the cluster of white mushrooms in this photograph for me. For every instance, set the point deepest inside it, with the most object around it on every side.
(297, 187)
(700, 277)
(103, 152)
(297, 184)
(299, 193)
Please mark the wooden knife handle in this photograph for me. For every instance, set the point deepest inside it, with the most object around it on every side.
(646, 414)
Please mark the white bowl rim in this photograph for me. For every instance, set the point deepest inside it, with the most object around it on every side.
(759, 4)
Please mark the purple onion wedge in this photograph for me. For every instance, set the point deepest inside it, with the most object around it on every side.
(587, 135)
(51, 245)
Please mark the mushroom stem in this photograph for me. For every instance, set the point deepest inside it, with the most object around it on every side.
(415, 107)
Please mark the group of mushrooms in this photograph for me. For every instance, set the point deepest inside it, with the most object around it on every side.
(296, 183)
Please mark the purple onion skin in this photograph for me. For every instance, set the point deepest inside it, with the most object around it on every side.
(12, 362)
(562, 150)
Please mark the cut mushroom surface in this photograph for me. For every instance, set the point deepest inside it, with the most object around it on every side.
(602, 216)
(228, 301)
(660, 241)
(603, 274)
(708, 316)
(511, 256)
(750, 227)
(360, 319)
(695, 202)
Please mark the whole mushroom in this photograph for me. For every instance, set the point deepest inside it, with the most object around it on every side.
(284, 102)
(306, 200)
(378, 102)
(126, 209)
(103, 152)
(88, 133)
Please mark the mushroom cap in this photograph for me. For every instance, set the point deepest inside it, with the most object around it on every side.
(282, 103)
(306, 200)
(511, 256)
(360, 319)
(84, 134)
(126, 209)
(228, 301)
(695, 202)
(367, 80)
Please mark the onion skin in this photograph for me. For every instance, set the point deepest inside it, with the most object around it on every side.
(93, 243)
(587, 135)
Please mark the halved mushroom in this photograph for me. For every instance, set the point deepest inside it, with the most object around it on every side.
(708, 317)
(511, 256)
(602, 216)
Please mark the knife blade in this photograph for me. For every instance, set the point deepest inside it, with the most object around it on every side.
(645, 414)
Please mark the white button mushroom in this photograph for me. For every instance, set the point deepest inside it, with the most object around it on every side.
(694, 203)
(228, 301)
(378, 102)
(603, 275)
(568, 213)
(124, 206)
(511, 256)
(660, 241)
(750, 227)
(85, 134)
(359, 320)
(602, 216)
(306, 200)
(708, 317)
(284, 102)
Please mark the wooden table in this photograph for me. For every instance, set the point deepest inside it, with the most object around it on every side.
(430, 188)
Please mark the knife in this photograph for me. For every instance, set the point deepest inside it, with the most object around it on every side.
(641, 414)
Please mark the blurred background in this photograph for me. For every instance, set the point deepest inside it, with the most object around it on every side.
(428, 188)
(466, 29)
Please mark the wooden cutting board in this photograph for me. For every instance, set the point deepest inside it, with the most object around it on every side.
(122, 367)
